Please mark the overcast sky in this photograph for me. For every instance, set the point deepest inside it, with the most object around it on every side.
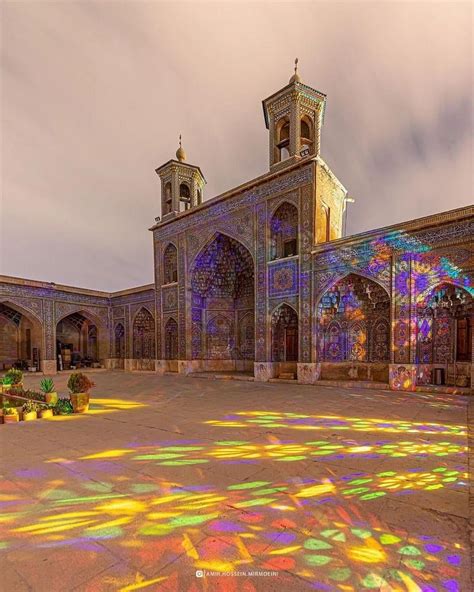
(94, 95)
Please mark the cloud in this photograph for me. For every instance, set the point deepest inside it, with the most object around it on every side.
(94, 96)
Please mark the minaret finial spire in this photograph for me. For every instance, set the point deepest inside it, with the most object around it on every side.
(296, 76)
(180, 153)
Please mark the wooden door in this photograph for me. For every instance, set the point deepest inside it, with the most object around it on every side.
(291, 344)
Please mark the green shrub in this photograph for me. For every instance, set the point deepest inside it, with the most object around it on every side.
(10, 411)
(63, 407)
(7, 380)
(47, 385)
(79, 383)
(15, 375)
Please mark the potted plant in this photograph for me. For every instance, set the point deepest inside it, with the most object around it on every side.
(6, 383)
(46, 411)
(79, 385)
(30, 411)
(15, 377)
(63, 407)
(47, 387)
(10, 415)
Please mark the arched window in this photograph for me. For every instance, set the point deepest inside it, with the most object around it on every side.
(92, 342)
(144, 335)
(284, 232)
(282, 139)
(119, 341)
(168, 199)
(306, 136)
(170, 264)
(184, 196)
(171, 340)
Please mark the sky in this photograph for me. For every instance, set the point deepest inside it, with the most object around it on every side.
(95, 94)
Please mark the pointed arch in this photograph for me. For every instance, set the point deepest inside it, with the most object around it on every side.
(284, 328)
(351, 272)
(334, 342)
(29, 314)
(445, 325)
(211, 238)
(284, 231)
(353, 321)
(170, 264)
(81, 337)
(306, 135)
(85, 312)
(21, 335)
(282, 139)
(222, 280)
(119, 340)
(171, 339)
(425, 295)
(143, 335)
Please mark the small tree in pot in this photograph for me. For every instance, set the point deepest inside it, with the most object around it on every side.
(79, 385)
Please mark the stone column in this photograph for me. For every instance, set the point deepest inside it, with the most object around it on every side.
(294, 126)
(402, 370)
(48, 356)
(261, 367)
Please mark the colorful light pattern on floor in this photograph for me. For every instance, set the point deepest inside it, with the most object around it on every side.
(195, 452)
(299, 421)
(319, 528)
(266, 525)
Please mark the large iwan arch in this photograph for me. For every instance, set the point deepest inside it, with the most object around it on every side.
(353, 330)
(21, 336)
(223, 306)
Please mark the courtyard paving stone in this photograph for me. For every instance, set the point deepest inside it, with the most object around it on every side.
(328, 488)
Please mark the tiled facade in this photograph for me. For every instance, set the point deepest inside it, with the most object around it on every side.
(260, 280)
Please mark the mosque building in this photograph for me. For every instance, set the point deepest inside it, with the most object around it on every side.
(260, 283)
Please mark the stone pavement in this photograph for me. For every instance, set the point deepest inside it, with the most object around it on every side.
(252, 486)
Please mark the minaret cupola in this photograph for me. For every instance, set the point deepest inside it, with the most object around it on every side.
(181, 185)
(294, 116)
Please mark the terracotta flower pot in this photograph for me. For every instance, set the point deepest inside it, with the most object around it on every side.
(30, 416)
(11, 418)
(45, 413)
(51, 397)
(80, 402)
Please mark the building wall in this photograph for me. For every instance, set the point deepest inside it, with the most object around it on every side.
(408, 261)
(43, 305)
(391, 273)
